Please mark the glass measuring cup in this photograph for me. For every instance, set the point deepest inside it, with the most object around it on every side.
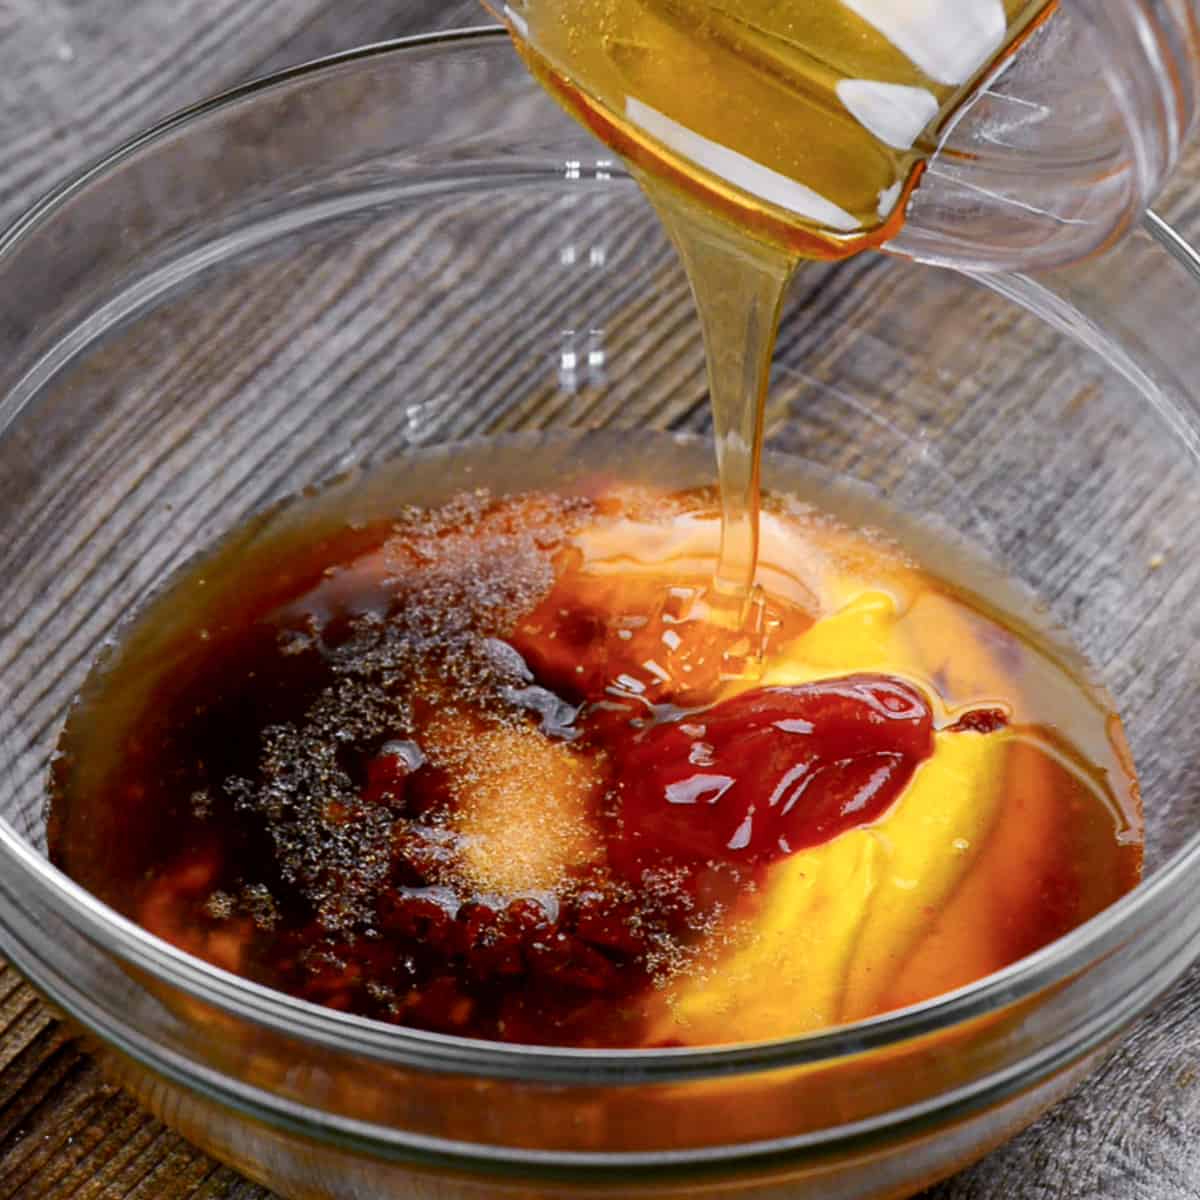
(1049, 153)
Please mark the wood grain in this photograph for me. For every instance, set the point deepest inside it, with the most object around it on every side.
(76, 79)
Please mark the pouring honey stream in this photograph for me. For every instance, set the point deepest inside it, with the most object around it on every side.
(766, 135)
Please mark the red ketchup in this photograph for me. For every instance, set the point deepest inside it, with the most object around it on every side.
(767, 773)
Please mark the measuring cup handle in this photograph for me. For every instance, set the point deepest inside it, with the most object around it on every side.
(1062, 150)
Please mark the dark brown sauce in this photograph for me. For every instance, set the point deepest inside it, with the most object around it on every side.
(441, 774)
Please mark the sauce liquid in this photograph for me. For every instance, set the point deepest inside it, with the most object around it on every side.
(479, 768)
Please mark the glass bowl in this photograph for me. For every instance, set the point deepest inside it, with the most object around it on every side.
(409, 246)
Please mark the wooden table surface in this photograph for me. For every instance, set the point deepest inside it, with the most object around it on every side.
(78, 76)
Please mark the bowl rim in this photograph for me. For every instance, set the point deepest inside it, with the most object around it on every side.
(342, 1033)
